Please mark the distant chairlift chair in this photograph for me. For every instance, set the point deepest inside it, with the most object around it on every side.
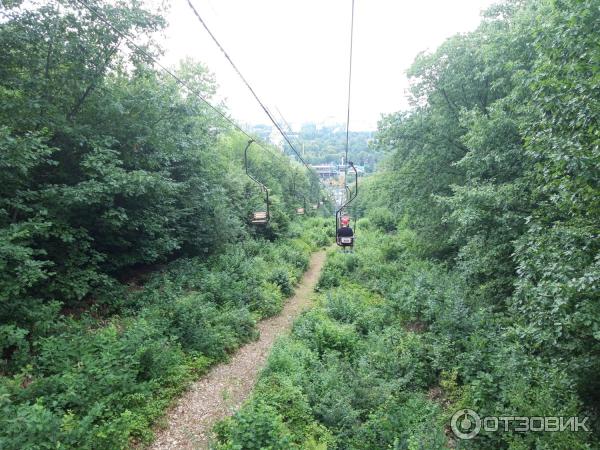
(302, 210)
(345, 241)
(258, 217)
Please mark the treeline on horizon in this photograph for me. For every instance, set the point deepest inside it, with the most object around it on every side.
(322, 144)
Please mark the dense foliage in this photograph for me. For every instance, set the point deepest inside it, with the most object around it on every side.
(392, 349)
(109, 171)
(90, 382)
(495, 171)
(477, 284)
(108, 165)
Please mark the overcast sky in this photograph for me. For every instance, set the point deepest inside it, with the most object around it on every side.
(295, 52)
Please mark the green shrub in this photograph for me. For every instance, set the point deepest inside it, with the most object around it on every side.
(364, 223)
(14, 348)
(393, 348)
(404, 421)
(291, 358)
(289, 401)
(333, 272)
(255, 427)
(382, 218)
(322, 334)
(281, 278)
(94, 383)
(267, 300)
(202, 327)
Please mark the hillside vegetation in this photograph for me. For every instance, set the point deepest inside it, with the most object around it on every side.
(127, 262)
(475, 279)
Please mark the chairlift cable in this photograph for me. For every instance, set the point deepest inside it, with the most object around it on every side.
(349, 92)
(169, 72)
(161, 66)
(298, 140)
(349, 197)
(179, 80)
(267, 112)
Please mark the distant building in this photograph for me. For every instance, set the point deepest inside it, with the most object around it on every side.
(326, 170)
(359, 169)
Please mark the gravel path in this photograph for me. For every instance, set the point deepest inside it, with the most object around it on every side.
(226, 386)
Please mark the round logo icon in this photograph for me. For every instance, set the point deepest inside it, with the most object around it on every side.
(465, 424)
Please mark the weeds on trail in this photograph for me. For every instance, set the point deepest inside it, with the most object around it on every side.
(101, 384)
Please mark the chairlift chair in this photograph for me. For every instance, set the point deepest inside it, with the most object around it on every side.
(258, 217)
(346, 241)
(301, 210)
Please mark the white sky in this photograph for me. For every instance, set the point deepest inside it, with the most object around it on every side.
(295, 52)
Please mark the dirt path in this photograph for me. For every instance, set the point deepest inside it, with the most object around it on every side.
(226, 386)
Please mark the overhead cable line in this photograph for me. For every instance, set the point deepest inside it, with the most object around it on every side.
(162, 67)
(190, 89)
(349, 92)
(180, 81)
(298, 139)
(267, 112)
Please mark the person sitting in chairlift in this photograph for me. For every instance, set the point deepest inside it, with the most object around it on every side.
(345, 234)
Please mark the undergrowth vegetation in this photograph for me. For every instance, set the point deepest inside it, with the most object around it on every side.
(100, 382)
(128, 265)
(391, 350)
